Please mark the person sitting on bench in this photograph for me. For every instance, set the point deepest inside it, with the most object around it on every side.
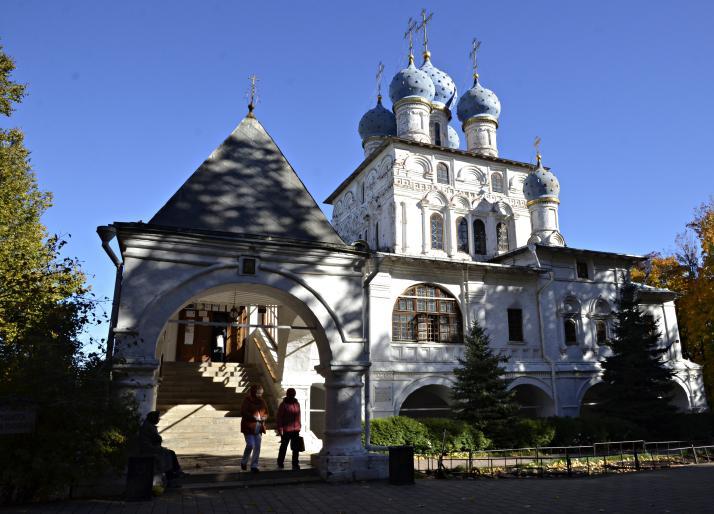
(150, 444)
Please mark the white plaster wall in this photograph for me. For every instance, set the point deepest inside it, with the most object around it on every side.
(401, 192)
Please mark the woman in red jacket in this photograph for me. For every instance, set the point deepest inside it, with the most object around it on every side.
(289, 428)
(254, 413)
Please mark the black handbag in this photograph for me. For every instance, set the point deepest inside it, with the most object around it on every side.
(297, 444)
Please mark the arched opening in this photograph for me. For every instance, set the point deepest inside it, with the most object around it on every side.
(593, 398)
(571, 332)
(479, 237)
(200, 397)
(462, 235)
(442, 173)
(679, 398)
(431, 401)
(533, 401)
(427, 314)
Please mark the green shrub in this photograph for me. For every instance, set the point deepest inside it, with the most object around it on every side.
(398, 431)
(459, 435)
(525, 433)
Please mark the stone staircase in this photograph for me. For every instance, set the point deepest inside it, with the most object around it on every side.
(200, 407)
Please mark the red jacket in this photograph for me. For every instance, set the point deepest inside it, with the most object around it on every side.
(251, 408)
(289, 416)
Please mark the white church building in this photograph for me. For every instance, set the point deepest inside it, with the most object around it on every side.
(240, 277)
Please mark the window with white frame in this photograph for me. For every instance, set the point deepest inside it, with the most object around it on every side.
(462, 235)
(437, 232)
(426, 313)
(497, 182)
(442, 173)
(502, 236)
(479, 237)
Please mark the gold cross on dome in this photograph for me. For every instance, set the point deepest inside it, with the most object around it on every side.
(424, 20)
(253, 94)
(411, 27)
(475, 45)
(536, 144)
(380, 71)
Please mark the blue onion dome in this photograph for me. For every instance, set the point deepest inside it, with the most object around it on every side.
(453, 141)
(411, 82)
(444, 87)
(378, 121)
(541, 184)
(478, 102)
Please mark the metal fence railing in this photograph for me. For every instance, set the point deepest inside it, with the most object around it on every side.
(599, 458)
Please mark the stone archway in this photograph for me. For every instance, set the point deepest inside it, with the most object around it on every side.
(592, 397)
(141, 322)
(533, 399)
(680, 397)
(429, 401)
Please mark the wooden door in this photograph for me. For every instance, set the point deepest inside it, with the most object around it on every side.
(193, 342)
(236, 337)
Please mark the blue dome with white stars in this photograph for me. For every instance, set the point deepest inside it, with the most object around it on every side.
(444, 87)
(411, 81)
(541, 184)
(453, 141)
(478, 102)
(378, 121)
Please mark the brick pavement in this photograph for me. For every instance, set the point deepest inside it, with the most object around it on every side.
(680, 490)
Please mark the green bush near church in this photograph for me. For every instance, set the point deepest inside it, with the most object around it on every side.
(426, 435)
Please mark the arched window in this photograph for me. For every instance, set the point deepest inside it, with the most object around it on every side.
(462, 234)
(600, 331)
(479, 237)
(502, 237)
(497, 182)
(602, 308)
(442, 173)
(376, 236)
(601, 313)
(571, 330)
(437, 134)
(426, 313)
(437, 232)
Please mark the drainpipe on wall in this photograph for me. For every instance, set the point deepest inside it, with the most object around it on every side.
(551, 278)
(106, 234)
(367, 376)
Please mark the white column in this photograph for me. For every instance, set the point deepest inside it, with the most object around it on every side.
(343, 458)
(470, 221)
(424, 228)
(450, 235)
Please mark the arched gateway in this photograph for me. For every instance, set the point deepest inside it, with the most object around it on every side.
(243, 245)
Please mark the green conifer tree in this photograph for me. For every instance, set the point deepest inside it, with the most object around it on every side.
(638, 385)
(480, 394)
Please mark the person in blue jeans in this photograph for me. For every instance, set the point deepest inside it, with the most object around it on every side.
(254, 414)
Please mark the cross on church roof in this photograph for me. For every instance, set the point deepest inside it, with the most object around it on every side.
(411, 27)
(536, 144)
(253, 94)
(475, 45)
(380, 71)
(424, 20)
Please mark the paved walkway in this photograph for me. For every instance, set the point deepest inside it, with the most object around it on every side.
(680, 490)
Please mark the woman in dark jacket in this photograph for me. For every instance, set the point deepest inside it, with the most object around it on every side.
(289, 428)
(254, 413)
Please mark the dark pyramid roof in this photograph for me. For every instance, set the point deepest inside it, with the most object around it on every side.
(246, 186)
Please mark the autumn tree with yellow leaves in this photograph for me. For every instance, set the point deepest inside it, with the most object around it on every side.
(690, 273)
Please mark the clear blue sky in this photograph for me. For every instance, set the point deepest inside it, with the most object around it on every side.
(127, 98)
